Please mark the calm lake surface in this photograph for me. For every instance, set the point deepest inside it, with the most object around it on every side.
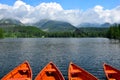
(89, 53)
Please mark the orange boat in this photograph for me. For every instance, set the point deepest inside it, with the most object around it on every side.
(111, 73)
(50, 72)
(21, 72)
(77, 73)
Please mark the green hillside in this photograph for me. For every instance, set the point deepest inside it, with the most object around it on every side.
(55, 26)
(23, 31)
(92, 31)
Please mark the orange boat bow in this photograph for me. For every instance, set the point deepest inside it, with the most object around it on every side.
(50, 72)
(21, 72)
(111, 72)
(77, 73)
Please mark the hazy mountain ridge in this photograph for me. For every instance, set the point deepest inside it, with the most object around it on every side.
(94, 25)
(40, 23)
(52, 25)
(9, 22)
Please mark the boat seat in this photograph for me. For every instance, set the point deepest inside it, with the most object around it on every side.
(110, 71)
(112, 79)
(75, 78)
(24, 69)
(50, 78)
(19, 79)
(50, 70)
(75, 71)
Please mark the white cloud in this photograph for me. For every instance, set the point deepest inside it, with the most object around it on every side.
(111, 16)
(30, 14)
(98, 8)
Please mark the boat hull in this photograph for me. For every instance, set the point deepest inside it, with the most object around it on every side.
(77, 73)
(21, 72)
(50, 72)
(111, 72)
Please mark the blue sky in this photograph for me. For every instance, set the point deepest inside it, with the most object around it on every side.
(71, 4)
(72, 11)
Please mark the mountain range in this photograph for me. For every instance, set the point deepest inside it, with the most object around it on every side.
(55, 26)
(94, 25)
(9, 22)
(51, 25)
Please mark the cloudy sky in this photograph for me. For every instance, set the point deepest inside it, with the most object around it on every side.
(72, 11)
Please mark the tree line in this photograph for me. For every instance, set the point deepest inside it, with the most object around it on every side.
(23, 32)
(114, 32)
(34, 32)
(1, 33)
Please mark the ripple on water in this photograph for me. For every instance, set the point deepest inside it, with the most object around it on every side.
(88, 53)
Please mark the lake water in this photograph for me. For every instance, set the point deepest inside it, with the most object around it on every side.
(89, 53)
